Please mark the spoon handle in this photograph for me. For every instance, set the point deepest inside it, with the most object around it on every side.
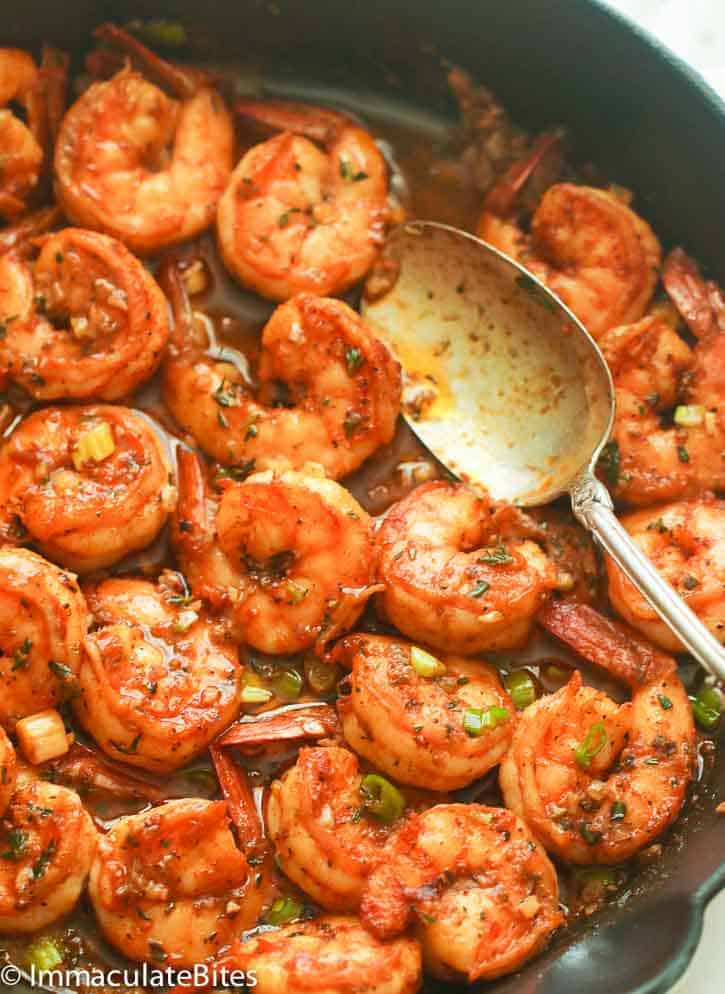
(593, 507)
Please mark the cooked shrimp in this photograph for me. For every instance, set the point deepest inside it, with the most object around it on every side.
(686, 542)
(88, 485)
(43, 621)
(328, 955)
(586, 244)
(452, 577)
(597, 781)
(47, 843)
(157, 682)
(84, 321)
(170, 886)
(313, 818)
(306, 210)
(8, 767)
(654, 370)
(480, 891)
(442, 730)
(286, 555)
(139, 165)
(22, 155)
(340, 401)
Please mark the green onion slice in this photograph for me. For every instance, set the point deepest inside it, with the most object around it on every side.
(284, 909)
(594, 741)
(520, 684)
(381, 799)
(424, 664)
(707, 708)
(476, 721)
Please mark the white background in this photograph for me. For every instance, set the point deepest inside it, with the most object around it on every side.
(694, 30)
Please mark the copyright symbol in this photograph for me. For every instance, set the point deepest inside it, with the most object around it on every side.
(10, 975)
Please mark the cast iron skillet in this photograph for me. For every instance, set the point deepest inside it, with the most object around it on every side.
(632, 108)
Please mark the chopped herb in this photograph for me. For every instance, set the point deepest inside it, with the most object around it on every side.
(479, 589)
(346, 171)
(657, 526)
(225, 396)
(251, 432)
(20, 656)
(665, 702)
(609, 463)
(43, 861)
(590, 836)
(618, 810)
(682, 454)
(59, 257)
(17, 841)
(498, 556)
(353, 359)
(352, 423)
(690, 582)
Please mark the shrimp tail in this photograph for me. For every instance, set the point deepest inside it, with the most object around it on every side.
(609, 644)
(503, 194)
(320, 124)
(237, 792)
(385, 909)
(184, 82)
(82, 767)
(19, 235)
(701, 302)
(310, 723)
(170, 281)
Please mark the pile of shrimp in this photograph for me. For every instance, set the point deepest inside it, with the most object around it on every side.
(254, 723)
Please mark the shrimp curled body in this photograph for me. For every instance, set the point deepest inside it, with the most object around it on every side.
(84, 321)
(43, 621)
(482, 893)
(412, 726)
(595, 780)
(287, 555)
(141, 166)
(157, 684)
(84, 512)
(296, 217)
(313, 819)
(169, 884)
(449, 578)
(52, 840)
(686, 542)
(341, 400)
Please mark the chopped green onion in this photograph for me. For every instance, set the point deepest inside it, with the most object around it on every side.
(353, 359)
(184, 621)
(682, 454)
(498, 556)
(44, 954)
(591, 836)
(255, 695)
(321, 677)
(381, 799)
(424, 664)
(520, 684)
(288, 684)
(476, 721)
(618, 810)
(284, 909)
(594, 741)
(707, 708)
(689, 415)
(665, 702)
(592, 881)
(556, 674)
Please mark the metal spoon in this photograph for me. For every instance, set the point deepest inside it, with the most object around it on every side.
(507, 389)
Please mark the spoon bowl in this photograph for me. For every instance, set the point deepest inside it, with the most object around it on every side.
(505, 386)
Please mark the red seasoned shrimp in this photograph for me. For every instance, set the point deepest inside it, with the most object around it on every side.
(595, 780)
(654, 371)
(43, 621)
(47, 841)
(22, 155)
(139, 165)
(288, 556)
(686, 542)
(170, 886)
(328, 955)
(452, 577)
(586, 244)
(480, 892)
(341, 391)
(323, 841)
(88, 485)
(84, 321)
(157, 682)
(305, 211)
(434, 723)
(8, 766)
